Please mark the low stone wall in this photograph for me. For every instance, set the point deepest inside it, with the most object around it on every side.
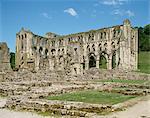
(57, 107)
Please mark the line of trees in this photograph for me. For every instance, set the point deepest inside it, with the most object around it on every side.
(144, 38)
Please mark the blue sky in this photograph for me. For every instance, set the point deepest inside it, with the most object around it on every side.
(67, 16)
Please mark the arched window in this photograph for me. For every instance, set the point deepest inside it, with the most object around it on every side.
(46, 53)
(53, 51)
(40, 50)
(21, 36)
(62, 50)
(105, 46)
(114, 33)
(104, 34)
(93, 47)
(22, 44)
(25, 35)
(53, 43)
(114, 60)
(101, 35)
(92, 37)
(113, 45)
(100, 47)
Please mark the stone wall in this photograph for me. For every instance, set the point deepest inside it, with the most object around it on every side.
(113, 47)
(4, 57)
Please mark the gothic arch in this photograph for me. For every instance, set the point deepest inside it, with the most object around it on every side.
(93, 48)
(46, 53)
(114, 60)
(103, 60)
(40, 50)
(92, 60)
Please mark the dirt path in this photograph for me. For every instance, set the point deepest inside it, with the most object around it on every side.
(139, 110)
(4, 113)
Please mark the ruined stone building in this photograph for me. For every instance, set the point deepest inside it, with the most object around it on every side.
(113, 47)
(4, 57)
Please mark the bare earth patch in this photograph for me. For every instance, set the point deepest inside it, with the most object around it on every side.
(139, 110)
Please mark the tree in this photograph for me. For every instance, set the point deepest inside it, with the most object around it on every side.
(144, 38)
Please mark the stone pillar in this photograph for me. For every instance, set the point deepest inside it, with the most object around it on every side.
(110, 62)
(37, 59)
(117, 58)
(86, 64)
(136, 49)
(81, 69)
(121, 56)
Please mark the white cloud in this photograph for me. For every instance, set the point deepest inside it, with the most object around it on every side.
(46, 15)
(113, 2)
(130, 13)
(117, 12)
(71, 11)
(120, 12)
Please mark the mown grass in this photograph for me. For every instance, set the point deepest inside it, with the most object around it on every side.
(144, 62)
(92, 96)
(124, 81)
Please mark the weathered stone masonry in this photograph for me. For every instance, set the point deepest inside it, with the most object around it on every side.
(4, 57)
(113, 47)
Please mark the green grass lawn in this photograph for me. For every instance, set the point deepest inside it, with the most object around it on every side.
(144, 62)
(92, 96)
(124, 81)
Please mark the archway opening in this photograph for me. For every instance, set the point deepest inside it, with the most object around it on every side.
(114, 60)
(92, 62)
(103, 62)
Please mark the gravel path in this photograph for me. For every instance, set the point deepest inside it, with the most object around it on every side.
(139, 110)
(4, 113)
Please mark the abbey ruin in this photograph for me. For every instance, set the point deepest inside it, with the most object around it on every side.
(69, 67)
(113, 47)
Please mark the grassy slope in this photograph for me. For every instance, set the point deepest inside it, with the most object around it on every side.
(92, 96)
(144, 62)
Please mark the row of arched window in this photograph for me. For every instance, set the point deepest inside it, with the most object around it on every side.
(92, 49)
(22, 36)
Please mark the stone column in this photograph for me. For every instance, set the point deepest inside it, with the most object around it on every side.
(136, 49)
(37, 62)
(81, 69)
(86, 64)
(117, 58)
(110, 62)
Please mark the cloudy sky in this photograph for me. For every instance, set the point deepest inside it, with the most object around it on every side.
(67, 16)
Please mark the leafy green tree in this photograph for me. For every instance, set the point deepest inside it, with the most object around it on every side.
(144, 38)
